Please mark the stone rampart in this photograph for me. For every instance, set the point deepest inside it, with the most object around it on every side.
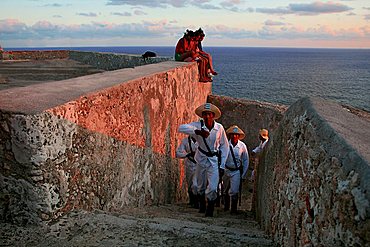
(249, 115)
(314, 183)
(35, 55)
(100, 141)
(100, 60)
(112, 61)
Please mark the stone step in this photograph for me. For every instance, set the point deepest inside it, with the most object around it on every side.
(168, 225)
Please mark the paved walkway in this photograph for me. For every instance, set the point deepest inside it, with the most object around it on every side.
(20, 73)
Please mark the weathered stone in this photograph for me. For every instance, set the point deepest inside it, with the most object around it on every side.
(318, 154)
(114, 140)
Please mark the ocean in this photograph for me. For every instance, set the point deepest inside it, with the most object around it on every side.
(279, 75)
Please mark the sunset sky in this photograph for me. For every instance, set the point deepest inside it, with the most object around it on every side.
(262, 23)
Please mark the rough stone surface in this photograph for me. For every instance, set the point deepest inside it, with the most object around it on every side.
(20, 73)
(35, 55)
(165, 225)
(112, 61)
(108, 144)
(314, 183)
(249, 115)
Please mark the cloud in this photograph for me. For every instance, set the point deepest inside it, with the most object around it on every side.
(367, 17)
(148, 3)
(139, 12)
(274, 23)
(319, 8)
(12, 26)
(57, 5)
(366, 8)
(231, 5)
(90, 14)
(14, 31)
(279, 10)
(57, 16)
(121, 13)
(315, 8)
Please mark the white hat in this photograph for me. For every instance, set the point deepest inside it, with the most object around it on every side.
(210, 108)
(264, 133)
(235, 130)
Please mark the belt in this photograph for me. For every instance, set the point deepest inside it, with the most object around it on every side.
(232, 169)
(208, 154)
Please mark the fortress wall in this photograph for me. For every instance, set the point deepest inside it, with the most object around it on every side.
(249, 115)
(100, 60)
(314, 183)
(113, 61)
(34, 55)
(101, 141)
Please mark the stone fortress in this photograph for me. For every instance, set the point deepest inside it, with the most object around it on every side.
(84, 130)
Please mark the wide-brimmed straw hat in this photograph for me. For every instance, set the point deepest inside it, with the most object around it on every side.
(235, 130)
(210, 108)
(264, 133)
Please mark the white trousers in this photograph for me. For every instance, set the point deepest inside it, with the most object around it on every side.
(191, 179)
(207, 179)
(231, 181)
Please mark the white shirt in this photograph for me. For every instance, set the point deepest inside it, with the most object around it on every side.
(241, 157)
(217, 141)
(260, 147)
(184, 148)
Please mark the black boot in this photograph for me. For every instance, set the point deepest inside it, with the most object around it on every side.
(234, 204)
(202, 203)
(191, 198)
(210, 208)
(218, 200)
(226, 202)
(196, 202)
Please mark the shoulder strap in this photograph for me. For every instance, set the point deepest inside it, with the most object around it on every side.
(189, 141)
(232, 154)
(204, 139)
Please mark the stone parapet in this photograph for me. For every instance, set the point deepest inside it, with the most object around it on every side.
(112, 61)
(314, 183)
(99, 60)
(35, 55)
(100, 141)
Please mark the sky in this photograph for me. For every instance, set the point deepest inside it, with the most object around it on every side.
(245, 23)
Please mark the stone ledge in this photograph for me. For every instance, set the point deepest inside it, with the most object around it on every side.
(39, 97)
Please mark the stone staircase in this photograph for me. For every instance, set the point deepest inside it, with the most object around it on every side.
(163, 225)
(166, 225)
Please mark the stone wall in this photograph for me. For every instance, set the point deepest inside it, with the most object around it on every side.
(112, 61)
(314, 183)
(249, 115)
(35, 55)
(95, 142)
(100, 60)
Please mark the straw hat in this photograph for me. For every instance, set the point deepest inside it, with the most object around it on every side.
(208, 107)
(264, 133)
(235, 130)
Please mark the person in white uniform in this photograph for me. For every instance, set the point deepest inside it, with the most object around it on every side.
(213, 149)
(264, 138)
(236, 168)
(186, 150)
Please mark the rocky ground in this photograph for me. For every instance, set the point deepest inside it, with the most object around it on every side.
(165, 225)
